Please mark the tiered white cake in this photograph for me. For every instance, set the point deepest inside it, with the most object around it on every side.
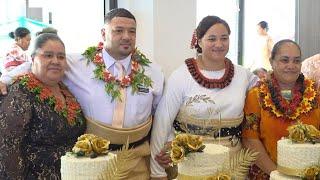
(204, 163)
(294, 157)
(83, 168)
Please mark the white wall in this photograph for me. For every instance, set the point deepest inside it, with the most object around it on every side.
(308, 27)
(78, 22)
(164, 29)
(175, 22)
(143, 12)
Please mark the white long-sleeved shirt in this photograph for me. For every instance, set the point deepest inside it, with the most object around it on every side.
(181, 86)
(91, 94)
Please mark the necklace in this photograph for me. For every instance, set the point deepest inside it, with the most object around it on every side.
(221, 83)
(135, 79)
(302, 101)
(71, 111)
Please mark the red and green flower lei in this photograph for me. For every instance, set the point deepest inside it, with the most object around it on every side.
(303, 99)
(42, 93)
(112, 85)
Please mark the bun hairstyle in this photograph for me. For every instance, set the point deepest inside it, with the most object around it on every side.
(47, 30)
(264, 25)
(205, 24)
(19, 33)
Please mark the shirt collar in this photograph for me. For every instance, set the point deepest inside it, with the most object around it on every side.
(109, 60)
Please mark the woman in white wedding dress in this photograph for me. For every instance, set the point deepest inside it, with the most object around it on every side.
(205, 96)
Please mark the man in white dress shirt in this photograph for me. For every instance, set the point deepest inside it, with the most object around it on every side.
(99, 106)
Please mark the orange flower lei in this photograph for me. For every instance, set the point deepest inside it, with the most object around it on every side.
(305, 105)
(72, 109)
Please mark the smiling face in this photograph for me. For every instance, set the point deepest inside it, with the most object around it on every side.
(49, 62)
(286, 64)
(215, 42)
(119, 37)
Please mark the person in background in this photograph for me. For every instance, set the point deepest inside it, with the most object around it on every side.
(261, 73)
(47, 30)
(40, 119)
(203, 95)
(311, 68)
(17, 53)
(285, 97)
(265, 45)
(118, 89)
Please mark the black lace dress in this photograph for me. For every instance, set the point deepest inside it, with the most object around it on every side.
(33, 136)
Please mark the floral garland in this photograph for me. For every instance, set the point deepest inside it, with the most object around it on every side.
(304, 96)
(136, 78)
(72, 109)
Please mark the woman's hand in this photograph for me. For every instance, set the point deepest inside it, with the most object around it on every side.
(163, 158)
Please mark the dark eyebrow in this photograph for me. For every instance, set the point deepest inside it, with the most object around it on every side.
(223, 35)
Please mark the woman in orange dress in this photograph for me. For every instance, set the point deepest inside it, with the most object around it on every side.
(285, 97)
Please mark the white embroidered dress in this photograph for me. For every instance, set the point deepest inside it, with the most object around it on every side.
(192, 108)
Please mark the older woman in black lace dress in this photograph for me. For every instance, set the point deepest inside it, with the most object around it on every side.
(40, 119)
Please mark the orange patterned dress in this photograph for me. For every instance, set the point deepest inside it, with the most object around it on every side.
(264, 121)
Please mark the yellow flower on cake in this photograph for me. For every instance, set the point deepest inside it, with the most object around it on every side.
(100, 145)
(177, 154)
(83, 146)
(313, 132)
(86, 136)
(194, 142)
(181, 139)
(311, 172)
(297, 133)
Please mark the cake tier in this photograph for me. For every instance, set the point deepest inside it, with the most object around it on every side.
(294, 157)
(276, 175)
(205, 163)
(83, 168)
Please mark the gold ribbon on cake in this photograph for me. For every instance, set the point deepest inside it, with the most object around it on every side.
(308, 173)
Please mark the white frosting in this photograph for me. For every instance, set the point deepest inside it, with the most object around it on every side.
(83, 168)
(276, 175)
(297, 155)
(205, 163)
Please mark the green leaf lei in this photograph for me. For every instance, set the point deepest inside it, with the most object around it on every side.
(136, 78)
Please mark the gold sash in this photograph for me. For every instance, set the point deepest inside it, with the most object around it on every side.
(139, 166)
(119, 135)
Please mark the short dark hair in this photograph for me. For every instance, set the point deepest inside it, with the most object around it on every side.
(118, 12)
(42, 39)
(278, 45)
(264, 25)
(205, 24)
(20, 32)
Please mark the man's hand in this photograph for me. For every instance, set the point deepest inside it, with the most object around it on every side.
(3, 88)
(163, 158)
